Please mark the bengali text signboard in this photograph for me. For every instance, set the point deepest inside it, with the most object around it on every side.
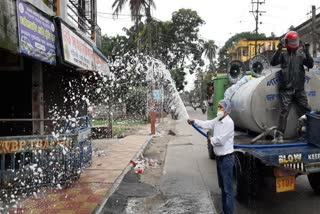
(100, 64)
(75, 50)
(36, 34)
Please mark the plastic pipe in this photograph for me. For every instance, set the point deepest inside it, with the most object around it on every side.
(261, 146)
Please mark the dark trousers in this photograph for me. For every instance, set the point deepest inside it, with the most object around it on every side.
(287, 97)
(225, 178)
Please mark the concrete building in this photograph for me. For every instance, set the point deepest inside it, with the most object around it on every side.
(47, 49)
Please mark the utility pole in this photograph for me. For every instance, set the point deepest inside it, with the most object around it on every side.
(256, 12)
(152, 105)
(314, 37)
(94, 20)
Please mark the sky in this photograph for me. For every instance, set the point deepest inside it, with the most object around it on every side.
(223, 18)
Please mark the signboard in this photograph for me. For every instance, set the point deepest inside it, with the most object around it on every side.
(157, 94)
(36, 34)
(25, 144)
(100, 64)
(75, 50)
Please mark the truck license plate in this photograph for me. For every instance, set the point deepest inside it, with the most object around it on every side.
(284, 184)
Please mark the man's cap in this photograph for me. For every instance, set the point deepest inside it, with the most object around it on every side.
(226, 105)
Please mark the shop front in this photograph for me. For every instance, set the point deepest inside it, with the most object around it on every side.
(45, 133)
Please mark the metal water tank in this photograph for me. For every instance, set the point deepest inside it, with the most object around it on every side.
(255, 105)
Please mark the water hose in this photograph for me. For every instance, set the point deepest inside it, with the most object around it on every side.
(261, 146)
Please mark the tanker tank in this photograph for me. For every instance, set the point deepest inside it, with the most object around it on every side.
(255, 105)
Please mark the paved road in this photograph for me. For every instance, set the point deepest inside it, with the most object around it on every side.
(187, 171)
(189, 184)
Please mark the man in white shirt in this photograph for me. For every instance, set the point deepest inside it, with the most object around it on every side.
(222, 141)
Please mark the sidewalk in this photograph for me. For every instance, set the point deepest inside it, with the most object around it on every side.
(96, 184)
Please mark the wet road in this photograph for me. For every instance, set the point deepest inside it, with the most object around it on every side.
(189, 184)
(188, 171)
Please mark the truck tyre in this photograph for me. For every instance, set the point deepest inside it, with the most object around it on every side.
(247, 178)
(314, 180)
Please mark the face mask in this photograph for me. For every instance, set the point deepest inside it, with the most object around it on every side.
(220, 114)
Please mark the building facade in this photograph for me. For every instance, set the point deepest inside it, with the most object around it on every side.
(47, 49)
(245, 49)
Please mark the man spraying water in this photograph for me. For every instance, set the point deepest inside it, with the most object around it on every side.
(223, 142)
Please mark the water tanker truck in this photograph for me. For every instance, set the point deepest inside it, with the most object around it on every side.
(255, 111)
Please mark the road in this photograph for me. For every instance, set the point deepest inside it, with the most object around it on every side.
(189, 174)
(189, 184)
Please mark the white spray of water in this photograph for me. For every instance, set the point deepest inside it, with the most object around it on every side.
(156, 71)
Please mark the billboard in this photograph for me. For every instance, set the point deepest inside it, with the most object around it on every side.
(80, 53)
(37, 34)
(75, 50)
(100, 64)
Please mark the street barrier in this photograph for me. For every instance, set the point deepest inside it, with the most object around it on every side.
(29, 162)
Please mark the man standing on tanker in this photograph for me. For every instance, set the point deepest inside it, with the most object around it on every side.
(292, 78)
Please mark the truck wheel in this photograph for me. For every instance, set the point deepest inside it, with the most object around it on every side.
(247, 178)
(212, 156)
(314, 180)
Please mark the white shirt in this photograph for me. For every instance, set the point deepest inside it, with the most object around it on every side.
(223, 134)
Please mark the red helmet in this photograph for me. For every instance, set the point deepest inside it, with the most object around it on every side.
(292, 40)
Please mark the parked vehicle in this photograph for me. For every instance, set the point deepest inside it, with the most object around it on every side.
(255, 110)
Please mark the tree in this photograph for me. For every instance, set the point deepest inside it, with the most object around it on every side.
(116, 46)
(176, 43)
(178, 76)
(137, 7)
(187, 48)
(210, 49)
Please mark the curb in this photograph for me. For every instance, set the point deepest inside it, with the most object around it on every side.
(118, 181)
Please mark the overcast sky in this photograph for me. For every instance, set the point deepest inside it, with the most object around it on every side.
(223, 18)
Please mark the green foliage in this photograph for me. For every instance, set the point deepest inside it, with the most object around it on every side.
(116, 46)
(137, 7)
(199, 94)
(134, 98)
(210, 49)
(99, 122)
(223, 59)
(176, 43)
(178, 76)
(187, 46)
(119, 128)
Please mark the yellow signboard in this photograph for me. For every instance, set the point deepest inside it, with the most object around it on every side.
(285, 184)
(19, 145)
